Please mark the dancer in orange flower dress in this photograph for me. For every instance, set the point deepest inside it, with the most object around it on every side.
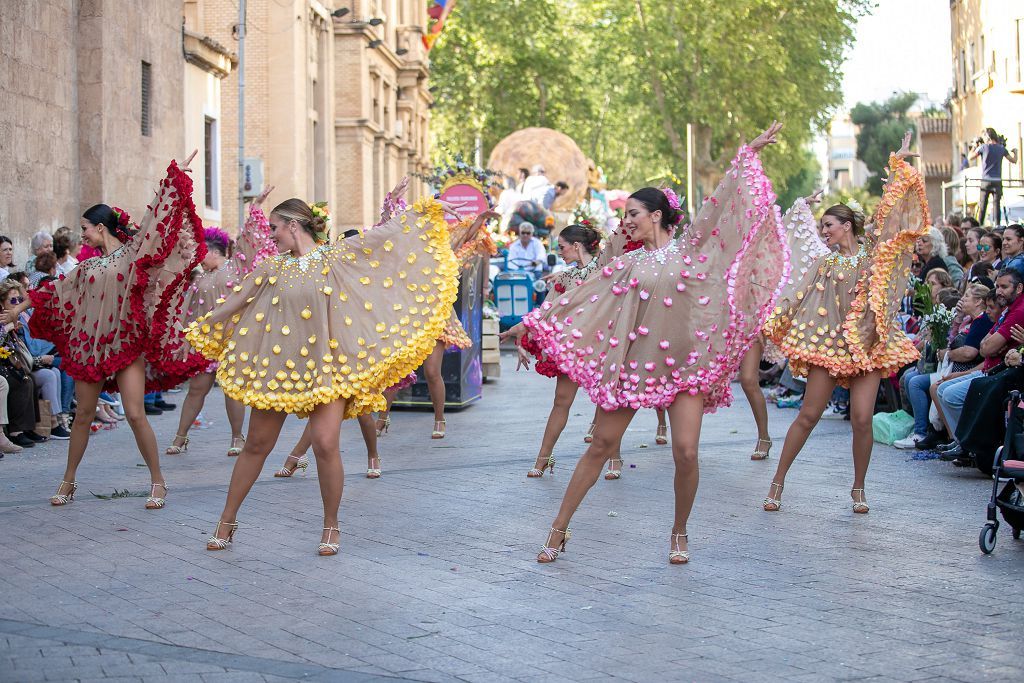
(838, 324)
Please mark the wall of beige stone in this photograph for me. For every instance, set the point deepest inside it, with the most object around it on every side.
(70, 71)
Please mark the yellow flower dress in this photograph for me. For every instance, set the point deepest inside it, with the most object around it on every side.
(841, 315)
(454, 335)
(344, 321)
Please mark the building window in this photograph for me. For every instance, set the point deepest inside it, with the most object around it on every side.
(147, 98)
(210, 165)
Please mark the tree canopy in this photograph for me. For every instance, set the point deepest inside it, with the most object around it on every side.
(625, 77)
(881, 129)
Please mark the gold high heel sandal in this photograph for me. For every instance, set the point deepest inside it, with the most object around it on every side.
(549, 464)
(759, 453)
(589, 437)
(613, 474)
(675, 555)
(178, 449)
(773, 503)
(439, 429)
(373, 472)
(301, 463)
(549, 553)
(661, 436)
(383, 423)
(326, 548)
(216, 543)
(860, 506)
(64, 498)
(236, 448)
(155, 502)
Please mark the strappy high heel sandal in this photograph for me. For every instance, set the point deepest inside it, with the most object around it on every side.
(759, 452)
(64, 498)
(327, 548)
(373, 472)
(383, 423)
(675, 555)
(549, 553)
(613, 474)
(155, 502)
(589, 437)
(549, 464)
(178, 449)
(216, 543)
(773, 503)
(236, 448)
(301, 463)
(859, 506)
(661, 436)
(440, 427)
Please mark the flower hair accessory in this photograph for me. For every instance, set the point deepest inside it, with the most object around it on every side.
(855, 205)
(673, 201)
(123, 219)
(124, 230)
(585, 222)
(320, 210)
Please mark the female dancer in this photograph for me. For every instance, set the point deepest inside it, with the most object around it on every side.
(114, 318)
(219, 274)
(615, 336)
(321, 330)
(839, 325)
(577, 244)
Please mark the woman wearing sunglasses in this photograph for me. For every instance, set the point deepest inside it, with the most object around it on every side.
(113, 318)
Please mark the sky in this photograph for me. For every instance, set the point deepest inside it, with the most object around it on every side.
(916, 31)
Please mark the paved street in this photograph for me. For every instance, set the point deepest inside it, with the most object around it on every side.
(436, 580)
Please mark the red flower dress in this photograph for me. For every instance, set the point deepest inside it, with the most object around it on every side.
(112, 309)
(652, 324)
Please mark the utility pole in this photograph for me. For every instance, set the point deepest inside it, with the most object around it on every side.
(689, 171)
(241, 112)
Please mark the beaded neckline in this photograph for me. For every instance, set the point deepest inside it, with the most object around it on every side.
(659, 255)
(303, 261)
(837, 259)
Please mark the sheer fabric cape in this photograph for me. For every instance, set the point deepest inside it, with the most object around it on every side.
(651, 324)
(112, 309)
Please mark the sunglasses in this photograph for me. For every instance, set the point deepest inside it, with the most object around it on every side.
(17, 300)
(526, 232)
(984, 247)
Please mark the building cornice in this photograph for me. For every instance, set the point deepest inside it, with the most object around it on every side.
(207, 54)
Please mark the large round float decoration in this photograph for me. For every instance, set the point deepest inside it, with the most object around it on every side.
(556, 152)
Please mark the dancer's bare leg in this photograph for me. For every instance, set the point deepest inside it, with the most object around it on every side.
(132, 384)
(291, 463)
(384, 419)
(88, 394)
(863, 394)
(686, 414)
(236, 419)
(607, 438)
(750, 368)
(324, 432)
(369, 431)
(816, 397)
(198, 389)
(661, 436)
(565, 394)
(435, 384)
(264, 428)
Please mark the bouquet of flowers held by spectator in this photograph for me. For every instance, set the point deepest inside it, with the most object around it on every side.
(935, 318)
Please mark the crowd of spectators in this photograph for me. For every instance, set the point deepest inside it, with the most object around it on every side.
(37, 397)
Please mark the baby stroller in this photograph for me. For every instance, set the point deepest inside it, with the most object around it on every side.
(1009, 501)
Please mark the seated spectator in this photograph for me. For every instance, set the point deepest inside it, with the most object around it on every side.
(951, 394)
(937, 280)
(45, 365)
(21, 277)
(46, 266)
(990, 247)
(42, 242)
(16, 368)
(931, 251)
(6, 256)
(955, 251)
(969, 328)
(982, 270)
(6, 445)
(969, 222)
(65, 245)
(1013, 247)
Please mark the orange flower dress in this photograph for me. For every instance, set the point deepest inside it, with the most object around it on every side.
(454, 335)
(346, 320)
(112, 309)
(841, 315)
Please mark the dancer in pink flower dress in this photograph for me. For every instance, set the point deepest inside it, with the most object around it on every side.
(665, 326)
(220, 272)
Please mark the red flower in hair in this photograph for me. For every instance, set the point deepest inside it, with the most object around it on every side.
(122, 216)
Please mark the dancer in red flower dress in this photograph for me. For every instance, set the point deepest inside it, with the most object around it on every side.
(665, 326)
(220, 272)
(115, 319)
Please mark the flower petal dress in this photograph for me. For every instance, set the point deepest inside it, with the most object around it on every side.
(346, 320)
(651, 324)
(112, 309)
(841, 315)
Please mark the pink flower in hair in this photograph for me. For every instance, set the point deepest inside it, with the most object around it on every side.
(672, 197)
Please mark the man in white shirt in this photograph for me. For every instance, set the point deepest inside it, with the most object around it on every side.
(536, 187)
(527, 253)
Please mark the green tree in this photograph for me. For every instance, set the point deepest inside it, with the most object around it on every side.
(881, 126)
(805, 181)
(625, 77)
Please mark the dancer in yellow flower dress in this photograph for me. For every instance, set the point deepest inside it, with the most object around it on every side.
(321, 330)
(838, 325)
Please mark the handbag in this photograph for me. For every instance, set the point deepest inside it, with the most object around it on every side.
(45, 423)
(889, 428)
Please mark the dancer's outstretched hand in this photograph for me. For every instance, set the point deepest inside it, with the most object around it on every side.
(262, 197)
(768, 137)
(904, 151)
(400, 189)
(816, 197)
(451, 208)
(184, 166)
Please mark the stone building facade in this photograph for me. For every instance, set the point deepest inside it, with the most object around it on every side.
(92, 108)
